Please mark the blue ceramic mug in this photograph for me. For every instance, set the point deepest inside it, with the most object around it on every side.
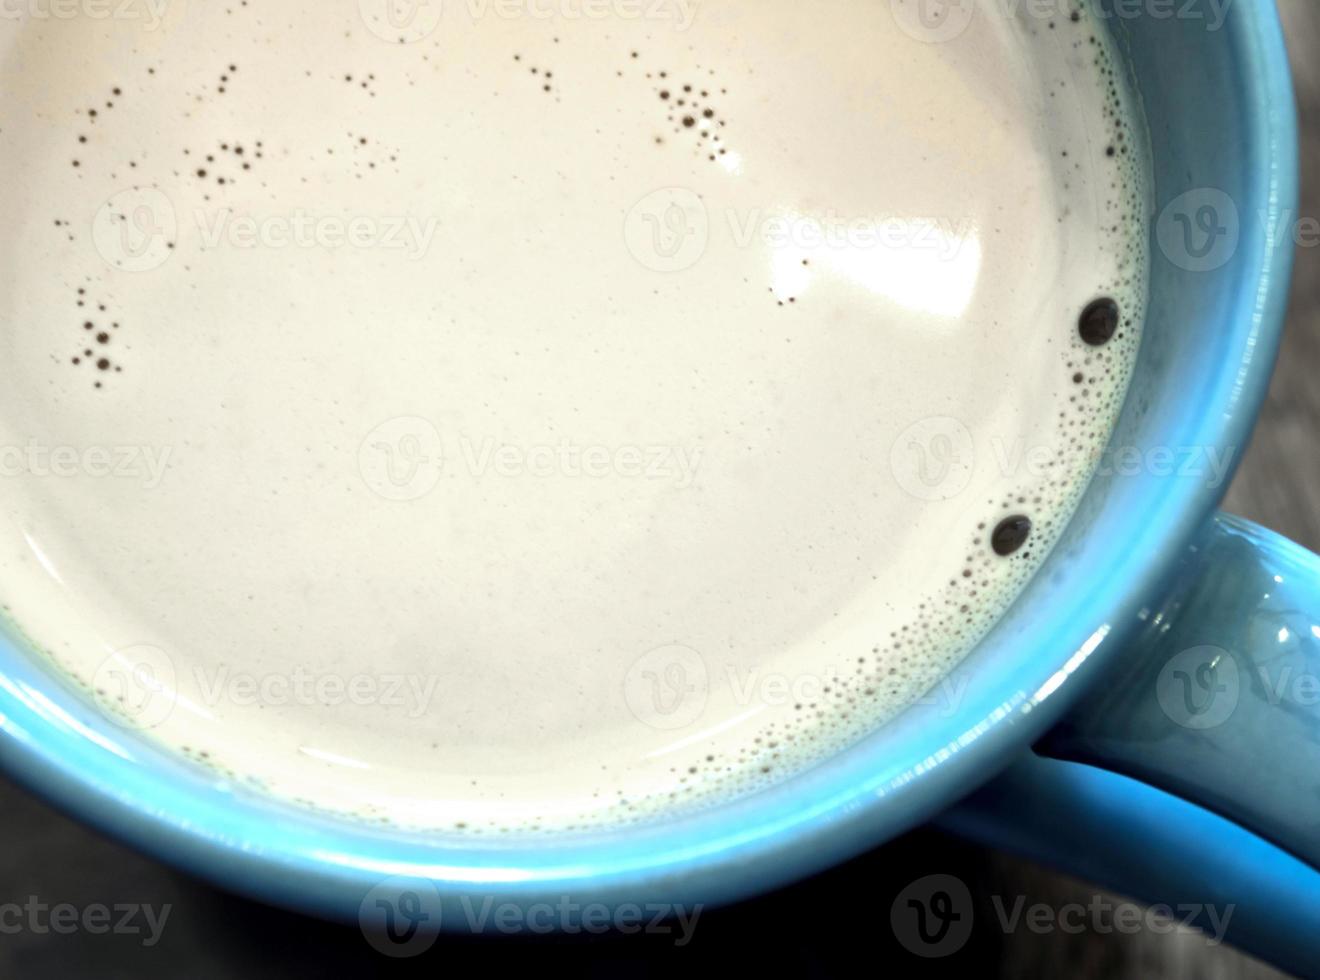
(1157, 662)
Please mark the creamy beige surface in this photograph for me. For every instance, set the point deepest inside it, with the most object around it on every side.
(482, 444)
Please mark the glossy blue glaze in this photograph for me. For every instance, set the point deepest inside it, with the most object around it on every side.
(1214, 704)
(1220, 113)
(1143, 843)
(1217, 697)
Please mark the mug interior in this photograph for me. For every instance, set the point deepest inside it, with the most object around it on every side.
(1219, 112)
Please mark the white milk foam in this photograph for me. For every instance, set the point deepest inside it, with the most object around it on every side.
(515, 421)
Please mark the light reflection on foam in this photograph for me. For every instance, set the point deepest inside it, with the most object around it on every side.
(143, 673)
(42, 558)
(918, 263)
(707, 733)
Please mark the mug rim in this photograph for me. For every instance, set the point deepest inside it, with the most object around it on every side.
(62, 750)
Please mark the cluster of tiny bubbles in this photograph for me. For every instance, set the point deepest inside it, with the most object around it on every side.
(224, 164)
(215, 168)
(544, 76)
(93, 114)
(97, 327)
(689, 103)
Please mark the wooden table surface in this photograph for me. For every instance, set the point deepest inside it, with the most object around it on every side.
(1279, 483)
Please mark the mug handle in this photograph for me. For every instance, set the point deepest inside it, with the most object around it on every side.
(1189, 773)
